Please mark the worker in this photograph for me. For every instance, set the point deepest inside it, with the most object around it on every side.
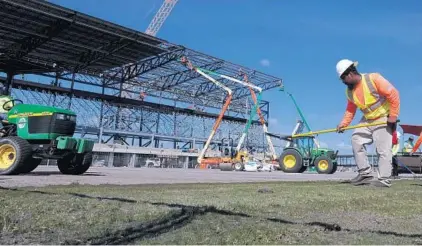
(395, 150)
(408, 145)
(4, 99)
(379, 101)
(5, 106)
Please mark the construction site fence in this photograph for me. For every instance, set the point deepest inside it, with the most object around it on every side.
(101, 159)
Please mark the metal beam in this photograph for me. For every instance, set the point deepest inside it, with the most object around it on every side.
(30, 43)
(184, 76)
(117, 101)
(134, 70)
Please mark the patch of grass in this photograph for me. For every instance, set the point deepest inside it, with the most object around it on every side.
(291, 213)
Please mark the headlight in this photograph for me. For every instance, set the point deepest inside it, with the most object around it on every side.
(61, 116)
(66, 117)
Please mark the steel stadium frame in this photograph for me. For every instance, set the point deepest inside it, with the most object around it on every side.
(126, 86)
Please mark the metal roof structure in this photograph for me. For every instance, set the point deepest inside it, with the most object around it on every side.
(38, 37)
(37, 34)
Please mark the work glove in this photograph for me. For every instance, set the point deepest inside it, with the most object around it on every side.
(339, 130)
(392, 123)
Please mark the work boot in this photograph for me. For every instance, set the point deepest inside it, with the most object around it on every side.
(361, 179)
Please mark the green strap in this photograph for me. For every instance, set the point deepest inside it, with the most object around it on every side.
(254, 111)
(300, 112)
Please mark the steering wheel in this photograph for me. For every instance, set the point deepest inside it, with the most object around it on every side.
(13, 102)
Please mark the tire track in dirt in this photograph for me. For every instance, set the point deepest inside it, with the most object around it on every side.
(184, 215)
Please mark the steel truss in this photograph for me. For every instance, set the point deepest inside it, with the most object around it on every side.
(90, 66)
(144, 125)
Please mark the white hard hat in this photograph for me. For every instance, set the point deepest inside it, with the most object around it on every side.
(343, 65)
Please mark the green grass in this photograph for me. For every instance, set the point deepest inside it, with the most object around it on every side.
(285, 213)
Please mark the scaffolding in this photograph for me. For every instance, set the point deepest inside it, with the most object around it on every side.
(51, 55)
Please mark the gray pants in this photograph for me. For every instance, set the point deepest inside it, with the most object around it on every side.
(383, 137)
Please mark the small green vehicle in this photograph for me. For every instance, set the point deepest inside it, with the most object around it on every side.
(298, 159)
(302, 153)
(32, 133)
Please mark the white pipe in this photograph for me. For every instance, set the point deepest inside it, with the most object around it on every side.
(214, 81)
(242, 138)
(242, 82)
(270, 143)
(229, 91)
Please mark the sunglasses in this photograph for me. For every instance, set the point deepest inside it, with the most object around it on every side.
(347, 72)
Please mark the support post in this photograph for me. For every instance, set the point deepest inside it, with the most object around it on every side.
(100, 138)
(9, 81)
(186, 164)
(71, 90)
(111, 159)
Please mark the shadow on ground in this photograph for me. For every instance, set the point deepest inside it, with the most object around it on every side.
(181, 217)
(48, 173)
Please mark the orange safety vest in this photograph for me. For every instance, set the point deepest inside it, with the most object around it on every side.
(374, 105)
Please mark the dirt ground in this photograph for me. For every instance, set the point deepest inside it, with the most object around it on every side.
(49, 175)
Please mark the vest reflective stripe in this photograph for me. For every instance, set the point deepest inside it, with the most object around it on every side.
(370, 94)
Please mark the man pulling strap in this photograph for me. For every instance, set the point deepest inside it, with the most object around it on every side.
(379, 101)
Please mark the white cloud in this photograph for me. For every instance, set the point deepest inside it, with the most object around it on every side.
(344, 146)
(265, 62)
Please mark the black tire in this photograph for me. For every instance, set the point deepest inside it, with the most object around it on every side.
(30, 165)
(239, 166)
(75, 164)
(291, 161)
(226, 166)
(14, 149)
(324, 165)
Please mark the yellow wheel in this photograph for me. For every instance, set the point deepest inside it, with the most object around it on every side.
(7, 156)
(291, 161)
(15, 153)
(325, 165)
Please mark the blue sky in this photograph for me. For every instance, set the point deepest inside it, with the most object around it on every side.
(299, 41)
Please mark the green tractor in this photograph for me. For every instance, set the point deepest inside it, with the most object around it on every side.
(297, 157)
(300, 153)
(31, 133)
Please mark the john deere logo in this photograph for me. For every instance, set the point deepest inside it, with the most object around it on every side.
(21, 123)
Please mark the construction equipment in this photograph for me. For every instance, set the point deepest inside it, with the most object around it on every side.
(203, 163)
(261, 118)
(296, 158)
(160, 17)
(32, 133)
(310, 151)
(240, 155)
(299, 111)
(300, 153)
(412, 161)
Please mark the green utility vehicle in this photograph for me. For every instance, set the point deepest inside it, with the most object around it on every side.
(299, 156)
(31, 133)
